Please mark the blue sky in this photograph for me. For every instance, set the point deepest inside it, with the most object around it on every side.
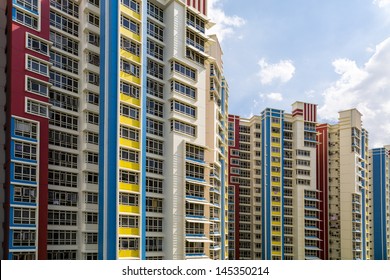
(333, 53)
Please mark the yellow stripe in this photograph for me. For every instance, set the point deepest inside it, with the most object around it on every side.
(130, 56)
(129, 253)
(130, 34)
(129, 231)
(130, 78)
(130, 100)
(129, 143)
(129, 209)
(129, 187)
(129, 12)
(129, 121)
(129, 165)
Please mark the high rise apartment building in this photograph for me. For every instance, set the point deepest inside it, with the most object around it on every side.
(343, 169)
(113, 97)
(379, 179)
(273, 195)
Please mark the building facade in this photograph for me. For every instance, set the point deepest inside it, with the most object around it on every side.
(108, 151)
(379, 175)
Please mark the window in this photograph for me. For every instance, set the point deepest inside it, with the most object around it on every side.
(130, 25)
(61, 237)
(195, 56)
(154, 127)
(155, 49)
(154, 107)
(154, 244)
(91, 198)
(37, 66)
(128, 155)
(64, 82)
(24, 216)
(194, 171)
(155, 12)
(93, 39)
(194, 152)
(91, 158)
(62, 100)
(195, 22)
(91, 238)
(303, 162)
(93, 19)
(61, 254)
(184, 70)
(92, 138)
(131, 4)
(61, 158)
(154, 185)
(130, 46)
(31, 5)
(90, 256)
(129, 133)
(91, 218)
(154, 204)
(91, 178)
(62, 198)
(92, 118)
(25, 172)
(62, 178)
(36, 108)
(93, 58)
(183, 89)
(154, 224)
(130, 90)
(130, 68)
(63, 120)
(94, 2)
(155, 31)
(92, 78)
(25, 150)
(154, 88)
(154, 146)
(69, 7)
(154, 165)
(128, 221)
(64, 62)
(129, 199)
(128, 177)
(128, 243)
(26, 19)
(62, 218)
(180, 107)
(37, 45)
(22, 237)
(36, 86)
(179, 126)
(65, 24)
(92, 98)
(25, 194)
(155, 69)
(129, 112)
(65, 43)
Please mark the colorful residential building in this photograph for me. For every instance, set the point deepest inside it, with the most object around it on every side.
(379, 168)
(343, 181)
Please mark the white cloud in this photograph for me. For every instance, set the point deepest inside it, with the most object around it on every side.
(225, 25)
(274, 96)
(283, 70)
(381, 3)
(366, 88)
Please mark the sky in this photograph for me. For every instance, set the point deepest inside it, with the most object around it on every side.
(332, 53)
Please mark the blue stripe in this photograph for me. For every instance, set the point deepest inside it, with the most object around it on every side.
(109, 130)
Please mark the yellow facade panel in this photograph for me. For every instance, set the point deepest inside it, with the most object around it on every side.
(129, 165)
(130, 35)
(129, 121)
(130, 12)
(130, 56)
(129, 209)
(129, 253)
(130, 78)
(129, 143)
(131, 100)
(129, 231)
(129, 187)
